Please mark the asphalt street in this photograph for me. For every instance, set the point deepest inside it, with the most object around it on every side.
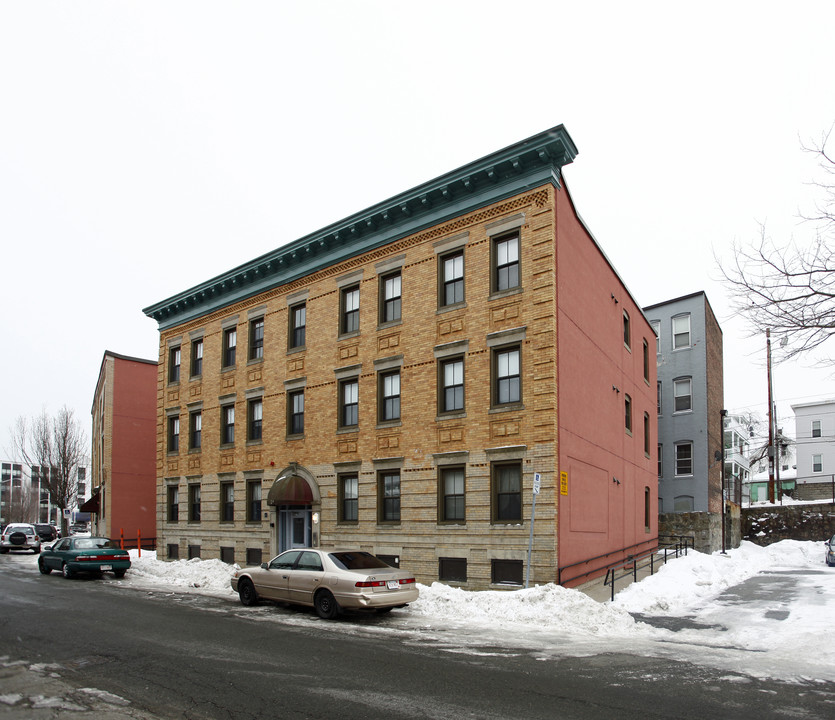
(98, 650)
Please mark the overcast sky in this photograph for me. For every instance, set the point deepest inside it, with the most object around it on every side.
(146, 147)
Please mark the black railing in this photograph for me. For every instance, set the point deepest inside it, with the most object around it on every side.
(630, 559)
(134, 543)
(668, 545)
(597, 569)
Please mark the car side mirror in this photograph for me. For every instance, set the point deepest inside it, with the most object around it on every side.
(265, 566)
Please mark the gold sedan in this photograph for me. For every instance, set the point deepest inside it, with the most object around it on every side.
(329, 581)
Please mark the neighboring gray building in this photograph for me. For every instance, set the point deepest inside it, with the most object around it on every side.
(690, 402)
(815, 446)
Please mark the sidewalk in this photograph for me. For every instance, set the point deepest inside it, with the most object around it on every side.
(37, 692)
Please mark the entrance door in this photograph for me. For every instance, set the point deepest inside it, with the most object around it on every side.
(294, 528)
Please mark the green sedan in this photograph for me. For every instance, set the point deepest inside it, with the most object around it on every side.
(84, 555)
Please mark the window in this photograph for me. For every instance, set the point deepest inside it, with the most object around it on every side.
(452, 569)
(295, 412)
(255, 416)
(816, 428)
(227, 424)
(298, 315)
(194, 503)
(656, 326)
(627, 334)
(348, 498)
(452, 278)
(452, 489)
(627, 408)
(684, 459)
(683, 394)
(227, 554)
(681, 332)
(195, 430)
(193, 552)
(646, 360)
(506, 572)
(647, 505)
(390, 290)
(659, 397)
(389, 489)
(817, 463)
(349, 403)
(683, 503)
(389, 393)
(174, 364)
(256, 339)
(350, 314)
(173, 503)
(230, 342)
(254, 556)
(646, 434)
(173, 551)
(507, 374)
(253, 501)
(173, 434)
(452, 385)
(227, 502)
(507, 492)
(660, 464)
(506, 262)
(197, 358)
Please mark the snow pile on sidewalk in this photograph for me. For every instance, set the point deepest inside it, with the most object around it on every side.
(680, 584)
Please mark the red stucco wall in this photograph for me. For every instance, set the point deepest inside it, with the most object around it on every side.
(133, 481)
(608, 470)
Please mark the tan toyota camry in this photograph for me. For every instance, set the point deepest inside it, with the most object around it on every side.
(328, 581)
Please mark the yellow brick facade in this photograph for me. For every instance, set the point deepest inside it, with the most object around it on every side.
(419, 445)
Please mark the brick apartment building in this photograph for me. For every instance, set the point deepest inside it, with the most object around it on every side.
(398, 380)
(124, 468)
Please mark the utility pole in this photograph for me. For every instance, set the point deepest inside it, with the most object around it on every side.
(771, 497)
(722, 414)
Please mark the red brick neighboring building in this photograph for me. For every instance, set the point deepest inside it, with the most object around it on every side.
(124, 448)
(400, 381)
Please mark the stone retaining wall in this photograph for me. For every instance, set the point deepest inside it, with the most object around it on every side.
(766, 525)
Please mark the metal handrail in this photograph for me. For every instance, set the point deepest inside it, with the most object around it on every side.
(561, 579)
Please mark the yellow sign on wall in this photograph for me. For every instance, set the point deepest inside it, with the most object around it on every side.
(563, 483)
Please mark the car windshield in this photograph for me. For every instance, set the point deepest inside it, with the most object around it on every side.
(92, 543)
(19, 528)
(357, 560)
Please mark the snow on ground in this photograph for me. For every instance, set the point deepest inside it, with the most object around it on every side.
(750, 636)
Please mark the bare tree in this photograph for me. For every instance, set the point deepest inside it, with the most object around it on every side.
(23, 502)
(791, 289)
(58, 445)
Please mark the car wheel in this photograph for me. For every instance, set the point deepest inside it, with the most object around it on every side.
(43, 568)
(246, 592)
(36, 550)
(119, 573)
(65, 569)
(326, 606)
(4, 550)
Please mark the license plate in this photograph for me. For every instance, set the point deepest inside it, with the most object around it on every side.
(393, 584)
(105, 567)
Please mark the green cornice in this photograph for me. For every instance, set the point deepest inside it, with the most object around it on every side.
(514, 170)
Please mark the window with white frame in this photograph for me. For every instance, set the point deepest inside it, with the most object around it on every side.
(681, 332)
(684, 458)
(816, 428)
(817, 463)
(683, 394)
